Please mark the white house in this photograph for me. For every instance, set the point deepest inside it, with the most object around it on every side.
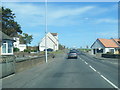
(6, 44)
(105, 46)
(17, 44)
(52, 42)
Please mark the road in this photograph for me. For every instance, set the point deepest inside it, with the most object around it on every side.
(84, 72)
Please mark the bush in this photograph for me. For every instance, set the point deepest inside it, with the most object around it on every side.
(27, 50)
(109, 53)
(16, 49)
(33, 50)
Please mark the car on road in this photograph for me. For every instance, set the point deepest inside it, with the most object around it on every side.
(49, 50)
(72, 54)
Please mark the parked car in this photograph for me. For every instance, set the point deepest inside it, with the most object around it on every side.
(49, 50)
(72, 54)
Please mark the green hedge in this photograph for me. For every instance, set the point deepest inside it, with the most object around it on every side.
(27, 50)
(16, 49)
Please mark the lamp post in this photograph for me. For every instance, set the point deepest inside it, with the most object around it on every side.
(46, 31)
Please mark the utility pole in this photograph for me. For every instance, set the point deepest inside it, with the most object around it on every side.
(46, 31)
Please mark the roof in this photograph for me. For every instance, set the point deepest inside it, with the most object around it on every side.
(117, 41)
(3, 36)
(54, 34)
(108, 43)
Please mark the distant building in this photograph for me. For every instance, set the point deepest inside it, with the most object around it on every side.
(106, 46)
(17, 44)
(52, 42)
(33, 48)
(6, 44)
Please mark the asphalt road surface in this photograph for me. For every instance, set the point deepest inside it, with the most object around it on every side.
(84, 72)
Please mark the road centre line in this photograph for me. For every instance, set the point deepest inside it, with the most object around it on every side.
(92, 68)
(98, 73)
(102, 76)
(105, 78)
(81, 59)
(86, 63)
(109, 82)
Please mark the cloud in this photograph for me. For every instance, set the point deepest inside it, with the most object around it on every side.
(66, 16)
(66, 12)
(106, 20)
(32, 14)
(107, 34)
(28, 14)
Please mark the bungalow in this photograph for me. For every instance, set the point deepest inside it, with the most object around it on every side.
(105, 46)
(52, 42)
(6, 44)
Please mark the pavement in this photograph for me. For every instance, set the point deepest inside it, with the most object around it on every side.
(84, 72)
(109, 60)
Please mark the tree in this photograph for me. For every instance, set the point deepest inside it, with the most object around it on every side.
(9, 25)
(26, 39)
(61, 47)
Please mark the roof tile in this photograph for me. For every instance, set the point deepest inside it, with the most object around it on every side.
(108, 43)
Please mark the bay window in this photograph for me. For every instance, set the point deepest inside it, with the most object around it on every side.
(7, 47)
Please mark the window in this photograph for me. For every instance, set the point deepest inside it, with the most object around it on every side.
(99, 50)
(7, 47)
(4, 47)
(112, 50)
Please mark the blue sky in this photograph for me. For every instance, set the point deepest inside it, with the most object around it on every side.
(77, 23)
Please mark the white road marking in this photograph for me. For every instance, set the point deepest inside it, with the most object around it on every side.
(86, 63)
(7, 77)
(98, 73)
(92, 68)
(109, 81)
(102, 76)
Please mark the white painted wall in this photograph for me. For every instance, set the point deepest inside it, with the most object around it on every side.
(97, 44)
(22, 47)
(17, 44)
(108, 50)
(52, 42)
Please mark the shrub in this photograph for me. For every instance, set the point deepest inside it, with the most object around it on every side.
(16, 49)
(27, 50)
(109, 53)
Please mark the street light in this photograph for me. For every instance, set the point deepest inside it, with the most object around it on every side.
(46, 31)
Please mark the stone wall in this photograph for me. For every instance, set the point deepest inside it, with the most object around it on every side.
(7, 65)
(29, 63)
(0, 47)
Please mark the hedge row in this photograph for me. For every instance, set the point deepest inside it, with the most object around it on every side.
(111, 55)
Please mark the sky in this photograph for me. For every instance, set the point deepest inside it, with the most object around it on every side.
(78, 24)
